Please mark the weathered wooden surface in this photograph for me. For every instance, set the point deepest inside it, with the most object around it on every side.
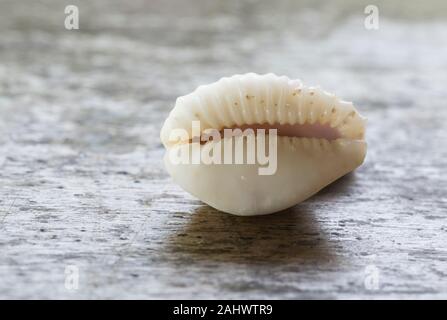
(82, 181)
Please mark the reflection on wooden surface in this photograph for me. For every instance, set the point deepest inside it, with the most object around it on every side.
(291, 236)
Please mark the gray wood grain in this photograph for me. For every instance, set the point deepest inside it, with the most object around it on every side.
(82, 181)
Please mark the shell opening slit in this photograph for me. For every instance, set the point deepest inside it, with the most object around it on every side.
(316, 130)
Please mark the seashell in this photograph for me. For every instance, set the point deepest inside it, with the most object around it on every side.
(318, 139)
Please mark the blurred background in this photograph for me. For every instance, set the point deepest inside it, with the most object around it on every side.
(80, 158)
(129, 60)
(149, 52)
